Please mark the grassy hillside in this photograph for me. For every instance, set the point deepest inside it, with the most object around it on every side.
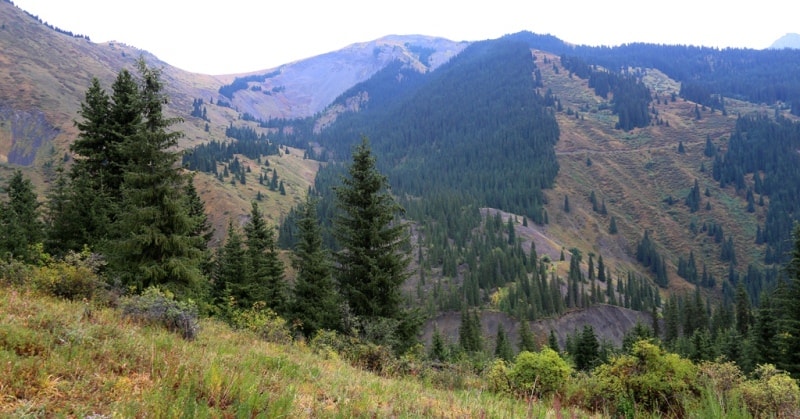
(636, 172)
(75, 359)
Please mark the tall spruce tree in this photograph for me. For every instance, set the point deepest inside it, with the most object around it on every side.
(266, 282)
(373, 261)
(20, 224)
(315, 300)
(153, 242)
(231, 270)
(502, 347)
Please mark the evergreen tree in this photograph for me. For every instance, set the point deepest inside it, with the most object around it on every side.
(62, 229)
(502, 348)
(469, 333)
(266, 281)
(587, 349)
(789, 323)
(373, 263)
(743, 316)
(153, 242)
(203, 230)
(438, 350)
(231, 270)
(20, 221)
(612, 227)
(552, 341)
(526, 340)
(566, 204)
(314, 301)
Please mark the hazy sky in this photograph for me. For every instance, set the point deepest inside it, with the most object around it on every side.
(235, 36)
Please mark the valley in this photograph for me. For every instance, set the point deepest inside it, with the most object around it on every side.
(606, 201)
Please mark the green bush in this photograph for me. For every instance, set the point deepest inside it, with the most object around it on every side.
(14, 272)
(497, 377)
(649, 379)
(154, 306)
(540, 373)
(262, 321)
(773, 393)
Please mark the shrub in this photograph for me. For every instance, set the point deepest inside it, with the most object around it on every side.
(773, 393)
(154, 306)
(539, 373)
(14, 272)
(649, 379)
(372, 357)
(497, 377)
(262, 321)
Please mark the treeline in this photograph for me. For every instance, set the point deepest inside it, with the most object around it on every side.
(55, 28)
(473, 126)
(761, 159)
(126, 220)
(758, 76)
(249, 143)
(241, 83)
(631, 98)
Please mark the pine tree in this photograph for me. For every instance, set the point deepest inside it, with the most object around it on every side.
(526, 340)
(552, 341)
(231, 270)
(469, 332)
(789, 323)
(587, 349)
(153, 243)
(612, 227)
(20, 221)
(373, 263)
(438, 350)
(502, 349)
(62, 231)
(266, 282)
(314, 302)
(203, 230)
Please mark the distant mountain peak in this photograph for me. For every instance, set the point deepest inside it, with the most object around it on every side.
(790, 40)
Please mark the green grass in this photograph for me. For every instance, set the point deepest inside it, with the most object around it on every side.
(61, 358)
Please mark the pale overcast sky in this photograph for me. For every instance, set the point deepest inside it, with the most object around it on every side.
(236, 36)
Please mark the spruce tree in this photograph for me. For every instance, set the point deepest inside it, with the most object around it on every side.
(438, 350)
(231, 271)
(266, 282)
(202, 229)
(502, 348)
(153, 244)
(587, 349)
(314, 303)
(373, 262)
(789, 322)
(20, 221)
(526, 340)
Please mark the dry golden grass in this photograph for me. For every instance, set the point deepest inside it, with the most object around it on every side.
(60, 358)
(635, 172)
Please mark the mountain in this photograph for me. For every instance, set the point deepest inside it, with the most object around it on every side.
(303, 88)
(790, 40)
(496, 148)
(50, 69)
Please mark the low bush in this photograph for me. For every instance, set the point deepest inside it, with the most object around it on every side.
(539, 373)
(262, 321)
(649, 379)
(154, 306)
(772, 393)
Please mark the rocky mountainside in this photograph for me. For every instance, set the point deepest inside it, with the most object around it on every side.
(45, 72)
